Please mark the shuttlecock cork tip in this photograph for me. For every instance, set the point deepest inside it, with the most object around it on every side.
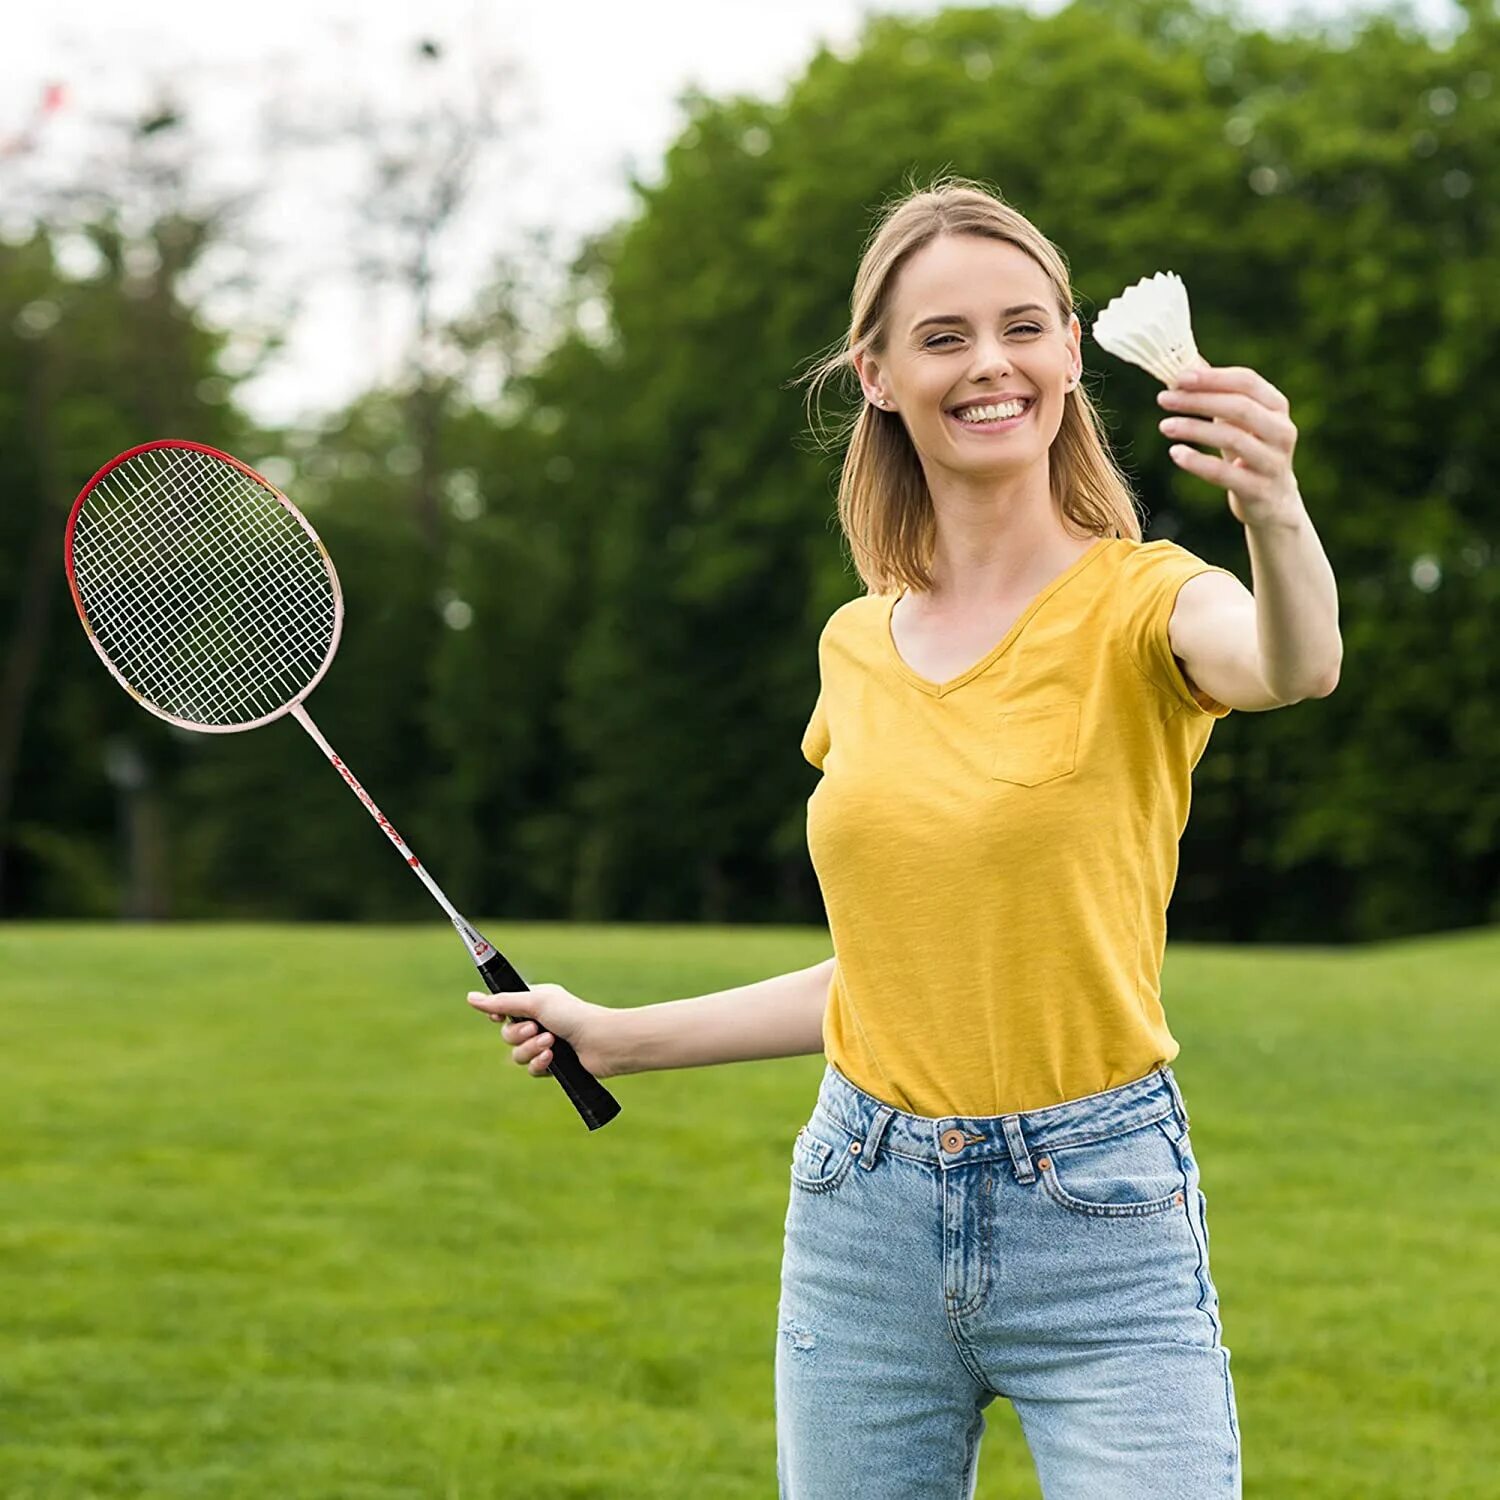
(1149, 325)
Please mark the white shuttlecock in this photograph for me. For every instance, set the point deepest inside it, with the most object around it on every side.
(1149, 325)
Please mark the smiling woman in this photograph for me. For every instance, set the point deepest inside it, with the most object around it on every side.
(970, 307)
(1006, 739)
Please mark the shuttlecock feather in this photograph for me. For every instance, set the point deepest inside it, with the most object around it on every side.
(1149, 325)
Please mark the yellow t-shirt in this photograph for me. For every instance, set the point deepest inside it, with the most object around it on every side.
(996, 852)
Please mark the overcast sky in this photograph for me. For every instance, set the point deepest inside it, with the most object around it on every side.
(597, 88)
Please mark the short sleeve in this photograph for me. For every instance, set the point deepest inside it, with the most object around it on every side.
(1161, 569)
(815, 736)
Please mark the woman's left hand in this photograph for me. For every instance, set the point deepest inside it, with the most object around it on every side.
(1251, 426)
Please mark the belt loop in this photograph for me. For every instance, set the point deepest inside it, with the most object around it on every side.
(1177, 1101)
(867, 1152)
(1011, 1125)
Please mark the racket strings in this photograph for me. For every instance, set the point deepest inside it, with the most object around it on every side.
(157, 609)
(217, 581)
(160, 612)
(161, 594)
(202, 588)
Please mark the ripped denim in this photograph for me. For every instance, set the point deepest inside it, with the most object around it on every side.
(1058, 1258)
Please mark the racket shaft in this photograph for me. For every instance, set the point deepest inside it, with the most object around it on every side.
(594, 1103)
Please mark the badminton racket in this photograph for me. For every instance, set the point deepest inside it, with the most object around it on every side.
(215, 605)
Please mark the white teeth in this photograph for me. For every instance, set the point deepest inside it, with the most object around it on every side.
(992, 413)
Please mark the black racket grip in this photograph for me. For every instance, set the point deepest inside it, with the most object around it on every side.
(590, 1098)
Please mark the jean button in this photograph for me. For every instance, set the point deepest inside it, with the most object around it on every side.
(953, 1140)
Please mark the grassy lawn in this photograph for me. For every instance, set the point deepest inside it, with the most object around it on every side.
(281, 1219)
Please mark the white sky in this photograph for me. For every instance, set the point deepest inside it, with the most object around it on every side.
(597, 80)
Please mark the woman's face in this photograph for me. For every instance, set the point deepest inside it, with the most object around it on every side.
(975, 318)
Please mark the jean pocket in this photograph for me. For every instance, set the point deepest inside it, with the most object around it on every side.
(1130, 1176)
(1036, 744)
(820, 1165)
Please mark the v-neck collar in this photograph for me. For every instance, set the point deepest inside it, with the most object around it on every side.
(939, 689)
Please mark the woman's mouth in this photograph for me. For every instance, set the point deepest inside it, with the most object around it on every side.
(1000, 424)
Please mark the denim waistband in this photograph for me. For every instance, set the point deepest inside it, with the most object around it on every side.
(954, 1140)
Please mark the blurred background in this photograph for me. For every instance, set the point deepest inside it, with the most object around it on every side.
(512, 301)
(515, 322)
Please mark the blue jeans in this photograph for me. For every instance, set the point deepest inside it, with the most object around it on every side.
(1058, 1258)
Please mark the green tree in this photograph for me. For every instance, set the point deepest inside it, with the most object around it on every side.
(1308, 186)
(581, 627)
(88, 367)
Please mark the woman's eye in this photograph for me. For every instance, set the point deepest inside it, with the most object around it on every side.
(933, 343)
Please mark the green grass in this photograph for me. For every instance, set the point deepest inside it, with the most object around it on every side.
(281, 1219)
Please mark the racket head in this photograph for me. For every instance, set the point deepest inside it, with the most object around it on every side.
(203, 589)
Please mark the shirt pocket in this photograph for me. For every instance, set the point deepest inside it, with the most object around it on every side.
(1037, 744)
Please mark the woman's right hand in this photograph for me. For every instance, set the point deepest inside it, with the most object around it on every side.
(546, 1010)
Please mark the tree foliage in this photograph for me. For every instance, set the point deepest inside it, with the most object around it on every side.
(590, 692)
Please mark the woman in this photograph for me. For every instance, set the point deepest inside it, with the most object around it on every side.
(996, 1192)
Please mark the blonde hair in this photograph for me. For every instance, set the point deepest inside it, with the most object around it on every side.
(884, 505)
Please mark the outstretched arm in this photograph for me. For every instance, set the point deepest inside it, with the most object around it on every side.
(1281, 643)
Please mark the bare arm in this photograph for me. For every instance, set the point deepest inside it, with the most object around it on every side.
(779, 1017)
